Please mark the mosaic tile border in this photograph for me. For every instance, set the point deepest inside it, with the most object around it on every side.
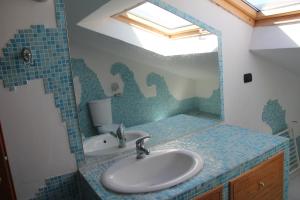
(51, 62)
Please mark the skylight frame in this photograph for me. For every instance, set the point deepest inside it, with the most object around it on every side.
(251, 15)
(159, 16)
(142, 23)
(272, 6)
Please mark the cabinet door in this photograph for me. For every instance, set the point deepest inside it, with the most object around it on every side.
(7, 191)
(214, 194)
(264, 182)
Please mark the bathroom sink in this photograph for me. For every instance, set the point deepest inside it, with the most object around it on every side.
(106, 144)
(159, 170)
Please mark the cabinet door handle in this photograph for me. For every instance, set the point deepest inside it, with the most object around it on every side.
(0, 180)
(261, 184)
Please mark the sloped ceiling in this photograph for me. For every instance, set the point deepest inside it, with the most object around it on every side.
(287, 58)
(100, 21)
(200, 65)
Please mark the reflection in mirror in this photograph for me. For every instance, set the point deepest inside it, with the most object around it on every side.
(140, 70)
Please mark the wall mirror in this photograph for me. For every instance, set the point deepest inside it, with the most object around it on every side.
(136, 63)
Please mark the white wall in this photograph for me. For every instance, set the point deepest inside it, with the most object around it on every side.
(20, 14)
(244, 102)
(283, 36)
(35, 136)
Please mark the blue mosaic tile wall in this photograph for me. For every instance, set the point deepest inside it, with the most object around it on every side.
(274, 116)
(60, 187)
(132, 107)
(51, 63)
(174, 127)
(91, 89)
(211, 104)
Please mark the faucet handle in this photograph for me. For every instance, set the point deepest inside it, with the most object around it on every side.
(140, 142)
(120, 129)
(141, 151)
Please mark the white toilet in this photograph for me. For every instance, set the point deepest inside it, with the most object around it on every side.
(101, 114)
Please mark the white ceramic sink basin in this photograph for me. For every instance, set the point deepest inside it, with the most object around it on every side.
(106, 144)
(159, 170)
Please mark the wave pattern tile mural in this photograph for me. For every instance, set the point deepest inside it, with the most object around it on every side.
(91, 90)
(50, 62)
(274, 115)
(132, 107)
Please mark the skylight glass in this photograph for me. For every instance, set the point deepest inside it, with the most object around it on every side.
(159, 16)
(275, 6)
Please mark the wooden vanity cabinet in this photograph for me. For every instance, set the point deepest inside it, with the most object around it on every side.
(214, 194)
(263, 182)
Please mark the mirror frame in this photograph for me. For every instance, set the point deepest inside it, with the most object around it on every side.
(193, 20)
(203, 25)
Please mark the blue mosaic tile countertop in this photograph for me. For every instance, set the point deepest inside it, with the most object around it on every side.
(227, 151)
(168, 129)
(174, 127)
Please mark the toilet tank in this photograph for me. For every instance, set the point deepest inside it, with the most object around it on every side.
(100, 111)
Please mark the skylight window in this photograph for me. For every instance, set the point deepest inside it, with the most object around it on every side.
(150, 17)
(159, 16)
(272, 7)
(138, 25)
(263, 12)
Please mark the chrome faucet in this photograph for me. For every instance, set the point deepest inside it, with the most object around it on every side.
(141, 151)
(119, 134)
